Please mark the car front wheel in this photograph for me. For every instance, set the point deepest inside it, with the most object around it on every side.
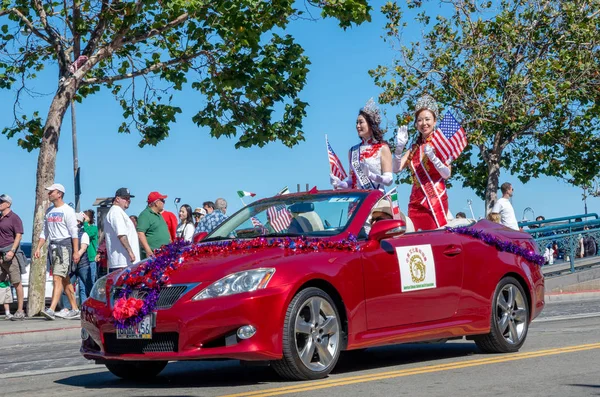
(311, 337)
(509, 320)
(136, 370)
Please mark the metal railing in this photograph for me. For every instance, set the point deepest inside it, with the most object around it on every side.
(565, 235)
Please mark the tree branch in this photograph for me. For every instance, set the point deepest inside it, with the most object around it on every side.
(141, 72)
(154, 32)
(27, 22)
(63, 59)
(96, 35)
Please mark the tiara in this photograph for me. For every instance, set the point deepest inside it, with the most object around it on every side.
(372, 110)
(427, 102)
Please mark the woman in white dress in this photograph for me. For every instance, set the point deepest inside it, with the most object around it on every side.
(371, 159)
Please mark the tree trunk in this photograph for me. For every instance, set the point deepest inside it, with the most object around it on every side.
(46, 169)
(493, 163)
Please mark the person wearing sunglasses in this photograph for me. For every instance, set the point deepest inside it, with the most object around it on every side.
(151, 228)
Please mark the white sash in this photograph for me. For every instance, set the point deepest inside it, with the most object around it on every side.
(363, 181)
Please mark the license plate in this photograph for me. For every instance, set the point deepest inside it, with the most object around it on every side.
(142, 330)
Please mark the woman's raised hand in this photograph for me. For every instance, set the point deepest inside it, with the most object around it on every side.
(401, 139)
(337, 183)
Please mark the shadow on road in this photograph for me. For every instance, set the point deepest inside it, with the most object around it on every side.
(231, 373)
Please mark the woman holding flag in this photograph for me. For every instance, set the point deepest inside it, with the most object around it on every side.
(371, 159)
(428, 204)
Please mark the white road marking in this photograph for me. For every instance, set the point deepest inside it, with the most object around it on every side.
(85, 367)
(567, 317)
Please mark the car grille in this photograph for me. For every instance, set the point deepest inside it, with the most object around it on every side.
(166, 298)
(169, 295)
(161, 342)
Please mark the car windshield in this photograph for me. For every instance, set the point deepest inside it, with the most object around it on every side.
(307, 215)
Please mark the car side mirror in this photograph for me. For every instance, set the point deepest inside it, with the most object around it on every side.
(199, 237)
(387, 228)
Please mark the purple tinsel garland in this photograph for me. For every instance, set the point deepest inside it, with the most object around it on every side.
(499, 244)
(171, 256)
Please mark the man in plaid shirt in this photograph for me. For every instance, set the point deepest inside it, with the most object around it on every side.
(214, 219)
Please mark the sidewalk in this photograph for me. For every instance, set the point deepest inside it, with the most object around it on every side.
(38, 329)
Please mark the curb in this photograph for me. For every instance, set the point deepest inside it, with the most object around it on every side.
(58, 334)
(572, 296)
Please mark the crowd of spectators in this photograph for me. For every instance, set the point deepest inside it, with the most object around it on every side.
(79, 253)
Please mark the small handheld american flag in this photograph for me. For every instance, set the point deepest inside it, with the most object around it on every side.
(335, 165)
(449, 139)
(279, 217)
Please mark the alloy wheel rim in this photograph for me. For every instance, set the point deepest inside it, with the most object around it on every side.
(512, 314)
(317, 333)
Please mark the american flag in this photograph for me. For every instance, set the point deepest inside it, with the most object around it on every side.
(449, 139)
(279, 217)
(255, 222)
(337, 169)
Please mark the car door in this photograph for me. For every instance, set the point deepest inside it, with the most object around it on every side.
(412, 278)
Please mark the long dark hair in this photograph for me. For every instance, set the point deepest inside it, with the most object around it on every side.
(188, 210)
(375, 129)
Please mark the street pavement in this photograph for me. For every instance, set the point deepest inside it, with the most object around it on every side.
(559, 358)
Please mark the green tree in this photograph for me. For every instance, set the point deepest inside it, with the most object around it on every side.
(523, 76)
(234, 52)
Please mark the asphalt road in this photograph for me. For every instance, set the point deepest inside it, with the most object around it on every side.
(559, 358)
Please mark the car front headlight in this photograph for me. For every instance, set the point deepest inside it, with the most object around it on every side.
(235, 283)
(99, 289)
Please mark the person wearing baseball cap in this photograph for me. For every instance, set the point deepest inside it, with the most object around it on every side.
(11, 231)
(60, 229)
(56, 186)
(123, 192)
(198, 214)
(122, 244)
(152, 229)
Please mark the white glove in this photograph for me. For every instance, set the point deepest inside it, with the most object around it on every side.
(337, 183)
(385, 179)
(401, 139)
(442, 168)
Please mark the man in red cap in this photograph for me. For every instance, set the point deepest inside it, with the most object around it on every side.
(152, 228)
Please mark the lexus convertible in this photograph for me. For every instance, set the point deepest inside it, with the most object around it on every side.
(294, 280)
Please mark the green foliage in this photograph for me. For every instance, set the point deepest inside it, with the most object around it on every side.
(522, 76)
(248, 76)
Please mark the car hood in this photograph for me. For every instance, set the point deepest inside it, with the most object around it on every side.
(213, 266)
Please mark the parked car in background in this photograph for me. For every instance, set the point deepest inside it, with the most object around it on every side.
(26, 247)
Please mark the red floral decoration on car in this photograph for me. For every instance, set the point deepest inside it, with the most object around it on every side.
(126, 308)
(150, 276)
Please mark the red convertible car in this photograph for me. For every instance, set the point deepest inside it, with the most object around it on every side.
(296, 279)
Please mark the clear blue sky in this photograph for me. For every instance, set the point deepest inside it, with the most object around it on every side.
(195, 167)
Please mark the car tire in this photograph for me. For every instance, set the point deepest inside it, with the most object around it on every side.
(136, 370)
(312, 337)
(509, 320)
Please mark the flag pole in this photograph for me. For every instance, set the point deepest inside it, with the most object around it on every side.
(242, 200)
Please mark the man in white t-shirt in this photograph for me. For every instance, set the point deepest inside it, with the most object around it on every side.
(60, 229)
(505, 208)
(122, 243)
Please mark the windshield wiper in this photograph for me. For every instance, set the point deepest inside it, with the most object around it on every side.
(215, 239)
(282, 235)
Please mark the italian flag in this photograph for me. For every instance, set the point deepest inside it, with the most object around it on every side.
(392, 196)
(242, 193)
(395, 207)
